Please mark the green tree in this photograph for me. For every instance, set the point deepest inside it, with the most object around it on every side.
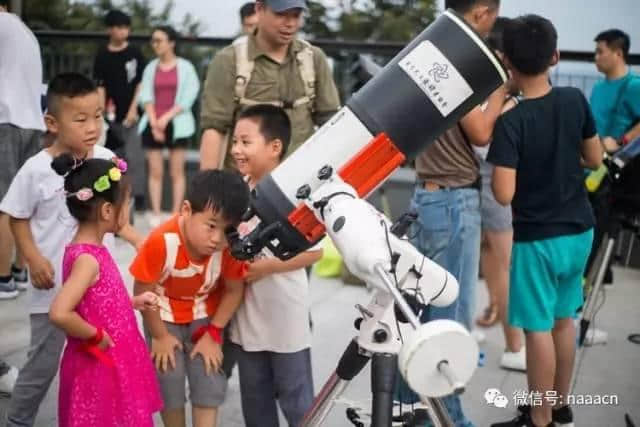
(372, 20)
(89, 15)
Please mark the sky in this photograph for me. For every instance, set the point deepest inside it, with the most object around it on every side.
(577, 21)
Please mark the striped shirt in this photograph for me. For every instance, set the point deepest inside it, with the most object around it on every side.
(188, 290)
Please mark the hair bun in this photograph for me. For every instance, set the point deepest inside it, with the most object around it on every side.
(64, 163)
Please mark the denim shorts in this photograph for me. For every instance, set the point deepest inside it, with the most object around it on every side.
(495, 217)
(546, 280)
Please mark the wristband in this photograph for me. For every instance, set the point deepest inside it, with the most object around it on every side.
(97, 338)
(91, 346)
(625, 140)
(214, 332)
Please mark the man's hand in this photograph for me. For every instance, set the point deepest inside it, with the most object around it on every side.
(163, 352)
(41, 272)
(210, 351)
(260, 268)
(610, 144)
(132, 118)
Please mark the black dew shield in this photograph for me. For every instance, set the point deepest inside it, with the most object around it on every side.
(440, 76)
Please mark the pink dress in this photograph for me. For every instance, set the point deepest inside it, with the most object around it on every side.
(95, 393)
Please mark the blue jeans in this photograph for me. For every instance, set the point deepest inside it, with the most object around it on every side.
(447, 231)
(267, 377)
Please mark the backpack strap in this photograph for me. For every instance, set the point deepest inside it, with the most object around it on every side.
(245, 66)
(307, 70)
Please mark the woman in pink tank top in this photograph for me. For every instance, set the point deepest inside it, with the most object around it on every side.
(165, 80)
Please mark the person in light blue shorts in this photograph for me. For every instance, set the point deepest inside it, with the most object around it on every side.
(539, 150)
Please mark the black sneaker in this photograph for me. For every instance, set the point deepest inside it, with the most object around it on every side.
(20, 277)
(522, 420)
(561, 417)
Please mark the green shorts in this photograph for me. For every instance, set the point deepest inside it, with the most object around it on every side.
(546, 280)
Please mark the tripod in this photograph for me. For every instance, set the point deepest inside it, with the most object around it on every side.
(595, 277)
(383, 352)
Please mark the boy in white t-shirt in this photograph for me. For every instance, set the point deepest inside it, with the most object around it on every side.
(42, 226)
(271, 328)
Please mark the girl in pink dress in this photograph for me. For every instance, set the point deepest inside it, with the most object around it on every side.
(106, 375)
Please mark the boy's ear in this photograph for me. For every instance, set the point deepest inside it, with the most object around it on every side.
(51, 123)
(555, 58)
(276, 146)
(185, 209)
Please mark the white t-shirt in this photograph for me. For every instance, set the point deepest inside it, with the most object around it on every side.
(20, 75)
(37, 193)
(275, 313)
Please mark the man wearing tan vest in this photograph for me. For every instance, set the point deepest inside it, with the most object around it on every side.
(270, 66)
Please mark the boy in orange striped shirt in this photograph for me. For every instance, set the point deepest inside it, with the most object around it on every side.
(186, 262)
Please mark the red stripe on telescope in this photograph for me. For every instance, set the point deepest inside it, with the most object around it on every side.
(364, 172)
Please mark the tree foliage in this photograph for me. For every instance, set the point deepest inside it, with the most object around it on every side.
(89, 15)
(373, 20)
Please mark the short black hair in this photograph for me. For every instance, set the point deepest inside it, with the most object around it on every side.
(464, 6)
(247, 10)
(67, 85)
(274, 123)
(220, 191)
(5, 3)
(496, 36)
(84, 174)
(171, 33)
(616, 39)
(530, 42)
(117, 18)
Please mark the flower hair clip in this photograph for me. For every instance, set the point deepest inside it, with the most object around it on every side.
(121, 164)
(82, 194)
(102, 183)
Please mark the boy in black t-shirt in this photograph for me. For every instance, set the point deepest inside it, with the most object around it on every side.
(539, 150)
(117, 69)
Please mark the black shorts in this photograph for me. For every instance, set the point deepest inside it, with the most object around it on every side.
(150, 143)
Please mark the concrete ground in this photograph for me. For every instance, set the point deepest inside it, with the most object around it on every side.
(612, 370)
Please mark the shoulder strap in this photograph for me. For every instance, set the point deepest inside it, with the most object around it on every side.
(307, 70)
(244, 66)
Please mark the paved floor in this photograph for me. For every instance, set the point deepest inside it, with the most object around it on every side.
(611, 370)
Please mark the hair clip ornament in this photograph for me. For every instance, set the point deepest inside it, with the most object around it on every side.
(82, 194)
(115, 174)
(120, 164)
(102, 184)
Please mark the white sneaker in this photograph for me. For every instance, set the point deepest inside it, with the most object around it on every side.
(8, 380)
(514, 360)
(8, 290)
(478, 335)
(595, 336)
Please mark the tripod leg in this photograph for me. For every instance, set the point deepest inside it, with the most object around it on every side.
(589, 307)
(437, 412)
(384, 369)
(350, 365)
